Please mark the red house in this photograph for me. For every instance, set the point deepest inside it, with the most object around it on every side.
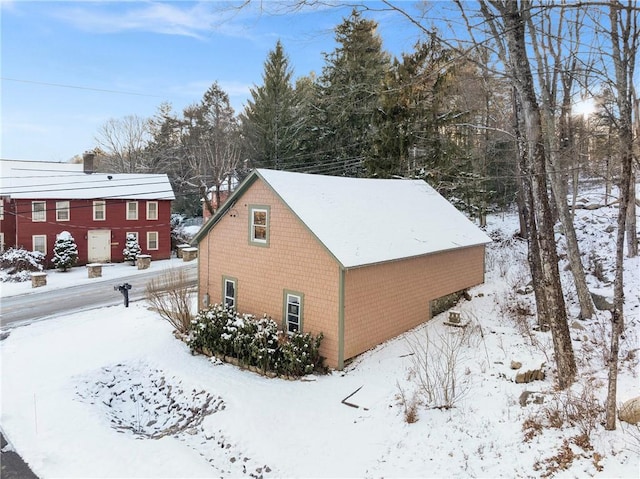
(39, 200)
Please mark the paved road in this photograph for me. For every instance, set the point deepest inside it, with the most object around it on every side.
(26, 308)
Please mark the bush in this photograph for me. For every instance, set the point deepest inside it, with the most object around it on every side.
(65, 251)
(254, 342)
(169, 296)
(131, 249)
(17, 264)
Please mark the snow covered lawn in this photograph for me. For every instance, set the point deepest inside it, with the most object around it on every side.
(112, 393)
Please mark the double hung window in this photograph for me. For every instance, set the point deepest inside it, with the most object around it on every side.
(259, 225)
(38, 211)
(293, 311)
(229, 291)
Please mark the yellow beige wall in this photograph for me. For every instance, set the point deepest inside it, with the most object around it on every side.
(294, 260)
(384, 300)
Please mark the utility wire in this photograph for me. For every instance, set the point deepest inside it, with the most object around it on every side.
(78, 87)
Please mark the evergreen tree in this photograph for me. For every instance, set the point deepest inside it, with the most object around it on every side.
(131, 248)
(270, 124)
(349, 93)
(65, 251)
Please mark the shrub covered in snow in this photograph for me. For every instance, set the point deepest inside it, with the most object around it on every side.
(255, 342)
(17, 264)
(65, 251)
(131, 248)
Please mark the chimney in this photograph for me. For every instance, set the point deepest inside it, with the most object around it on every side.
(87, 161)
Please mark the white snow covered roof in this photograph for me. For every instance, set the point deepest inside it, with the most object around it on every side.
(365, 221)
(47, 180)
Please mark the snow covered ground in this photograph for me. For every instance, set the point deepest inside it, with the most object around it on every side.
(112, 393)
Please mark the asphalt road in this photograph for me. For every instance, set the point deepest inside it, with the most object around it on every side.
(26, 308)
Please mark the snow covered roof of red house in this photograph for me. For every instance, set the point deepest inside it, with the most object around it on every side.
(364, 221)
(47, 180)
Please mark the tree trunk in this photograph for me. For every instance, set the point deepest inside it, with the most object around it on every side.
(623, 33)
(552, 311)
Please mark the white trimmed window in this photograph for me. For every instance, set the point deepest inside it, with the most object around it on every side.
(293, 311)
(38, 211)
(1, 242)
(132, 210)
(259, 227)
(229, 289)
(62, 211)
(152, 210)
(134, 233)
(1, 208)
(152, 240)
(39, 243)
(99, 210)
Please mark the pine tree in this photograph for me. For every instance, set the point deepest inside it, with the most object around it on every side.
(131, 249)
(270, 123)
(65, 251)
(349, 93)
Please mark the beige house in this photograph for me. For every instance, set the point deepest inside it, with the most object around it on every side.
(359, 260)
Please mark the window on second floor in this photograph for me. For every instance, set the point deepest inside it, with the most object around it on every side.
(152, 240)
(99, 210)
(62, 211)
(259, 226)
(1, 209)
(38, 211)
(132, 210)
(152, 210)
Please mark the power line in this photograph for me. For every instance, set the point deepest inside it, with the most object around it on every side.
(78, 87)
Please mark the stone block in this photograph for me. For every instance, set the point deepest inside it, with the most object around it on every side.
(94, 270)
(189, 254)
(38, 280)
(143, 261)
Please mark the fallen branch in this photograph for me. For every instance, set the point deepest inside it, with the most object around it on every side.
(344, 401)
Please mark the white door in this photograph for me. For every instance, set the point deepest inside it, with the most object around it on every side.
(99, 245)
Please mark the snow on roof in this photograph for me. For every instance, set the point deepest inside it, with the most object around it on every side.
(364, 221)
(47, 180)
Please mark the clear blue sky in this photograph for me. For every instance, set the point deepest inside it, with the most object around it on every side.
(113, 59)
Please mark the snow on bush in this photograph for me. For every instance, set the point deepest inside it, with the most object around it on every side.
(255, 342)
(131, 248)
(65, 251)
(17, 264)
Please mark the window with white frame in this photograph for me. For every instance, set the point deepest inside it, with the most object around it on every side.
(1, 242)
(39, 243)
(62, 211)
(259, 227)
(132, 210)
(99, 210)
(38, 211)
(152, 240)
(152, 210)
(229, 291)
(1, 208)
(293, 311)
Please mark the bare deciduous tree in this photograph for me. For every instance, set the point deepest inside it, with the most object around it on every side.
(123, 142)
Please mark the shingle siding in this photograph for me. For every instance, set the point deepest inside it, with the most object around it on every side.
(381, 300)
(385, 300)
(294, 260)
